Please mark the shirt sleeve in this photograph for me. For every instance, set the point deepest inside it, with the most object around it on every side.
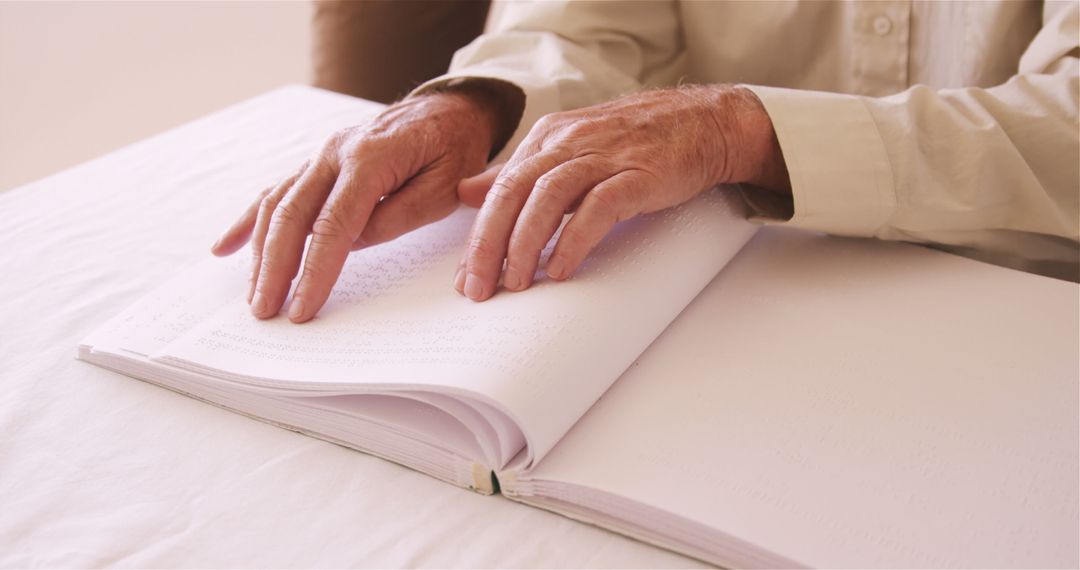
(988, 173)
(602, 50)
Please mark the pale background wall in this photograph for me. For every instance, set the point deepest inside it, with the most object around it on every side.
(78, 79)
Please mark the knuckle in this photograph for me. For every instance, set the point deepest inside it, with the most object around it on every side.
(337, 140)
(350, 151)
(285, 214)
(502, 192)
(547, 121)
(605, 202)
(314, 269)
(549, 185)
(578, 128)
(323, 162)
(274, 268)
(531, 144)
(481, 247)
(328, 227)
(267, 206)
(325, 165)
(288, 182)
(560, 144)
(554, 193)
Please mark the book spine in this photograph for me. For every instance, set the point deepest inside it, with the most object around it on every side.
(483, 479)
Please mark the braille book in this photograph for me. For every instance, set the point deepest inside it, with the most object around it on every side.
(770, 400)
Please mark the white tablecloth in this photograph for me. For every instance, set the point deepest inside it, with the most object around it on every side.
(99, 469)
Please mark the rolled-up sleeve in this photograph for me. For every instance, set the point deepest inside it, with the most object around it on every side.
(974, 170)
(600, 50)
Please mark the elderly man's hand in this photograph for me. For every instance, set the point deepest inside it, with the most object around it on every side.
(368, 184)
(610, 162)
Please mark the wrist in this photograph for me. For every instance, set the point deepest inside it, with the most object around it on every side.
(496, 105)
(752, 150)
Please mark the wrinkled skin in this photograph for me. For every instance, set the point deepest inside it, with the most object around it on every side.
(366, 185)
(606, 163)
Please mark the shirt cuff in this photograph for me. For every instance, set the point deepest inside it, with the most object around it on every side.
(841, 178)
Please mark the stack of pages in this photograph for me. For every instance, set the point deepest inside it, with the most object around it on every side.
(784, 399)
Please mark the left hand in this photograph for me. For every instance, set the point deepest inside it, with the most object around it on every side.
(367, 184)
(636, 154)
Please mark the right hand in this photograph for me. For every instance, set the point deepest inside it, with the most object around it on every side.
(368, 184)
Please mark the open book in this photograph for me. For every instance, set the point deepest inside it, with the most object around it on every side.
(795, 401)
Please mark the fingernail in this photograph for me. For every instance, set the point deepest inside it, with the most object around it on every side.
(258, 304)
(512, 280)
(459, 280)
(216, 245)
(474, 289)
(556, 268)
(296, 311)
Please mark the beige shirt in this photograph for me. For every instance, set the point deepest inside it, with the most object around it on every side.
(952, 123)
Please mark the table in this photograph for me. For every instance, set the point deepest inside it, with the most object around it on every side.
(97, 469)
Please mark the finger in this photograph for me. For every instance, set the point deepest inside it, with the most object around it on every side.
(575, 204)
(237, 235)
(472, 190)
(287, 233)
(262, 224)
(552, 195)
(337, 226)
(487, 245)
(459, 277)
(422, 200)
(616, 199)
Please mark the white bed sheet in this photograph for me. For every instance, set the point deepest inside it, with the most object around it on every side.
(97, 469)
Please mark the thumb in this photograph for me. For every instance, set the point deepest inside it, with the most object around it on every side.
(471, 191)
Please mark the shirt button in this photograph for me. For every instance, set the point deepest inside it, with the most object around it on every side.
(882, 25)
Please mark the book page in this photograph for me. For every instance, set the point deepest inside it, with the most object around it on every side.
(163, 315)
(850, 403)
(542, 356)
